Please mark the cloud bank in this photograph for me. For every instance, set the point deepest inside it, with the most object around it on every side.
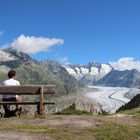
(126, 63)
(33, 45)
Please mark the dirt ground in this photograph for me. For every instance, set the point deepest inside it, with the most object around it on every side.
(4, 135)
(72, 123)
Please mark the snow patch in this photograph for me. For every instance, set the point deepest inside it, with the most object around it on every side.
(4, 56)
(84, 71)
(94, 71)
(105, 69)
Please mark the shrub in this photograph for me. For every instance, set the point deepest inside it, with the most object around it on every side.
(71, 110)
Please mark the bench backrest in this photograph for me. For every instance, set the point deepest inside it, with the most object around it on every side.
(27, 90)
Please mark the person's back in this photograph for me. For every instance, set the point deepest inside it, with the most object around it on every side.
(11, 82)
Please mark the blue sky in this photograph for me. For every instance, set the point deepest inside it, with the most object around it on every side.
(78, 31)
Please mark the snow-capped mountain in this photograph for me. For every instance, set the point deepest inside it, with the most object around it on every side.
(89, 73)
(104, 75)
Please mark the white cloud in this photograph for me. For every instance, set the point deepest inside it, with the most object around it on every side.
(126, 63)
(1, 33)
(63, 60)
(33, 45)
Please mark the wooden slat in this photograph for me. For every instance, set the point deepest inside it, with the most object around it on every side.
(26, 103)
(27, 90)
(48, 103)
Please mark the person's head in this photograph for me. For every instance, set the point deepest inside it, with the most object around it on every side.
(11, 74)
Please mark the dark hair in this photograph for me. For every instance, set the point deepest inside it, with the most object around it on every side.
(11, 74)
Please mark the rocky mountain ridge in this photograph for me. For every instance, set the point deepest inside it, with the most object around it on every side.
(90, 73)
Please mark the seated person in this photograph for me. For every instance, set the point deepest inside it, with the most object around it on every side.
(11, 82)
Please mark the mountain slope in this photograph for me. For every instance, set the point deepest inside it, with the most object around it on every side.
(127, 78)
(29, 71)
(68, 82)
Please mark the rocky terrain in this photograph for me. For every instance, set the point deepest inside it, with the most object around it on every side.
(81, 102)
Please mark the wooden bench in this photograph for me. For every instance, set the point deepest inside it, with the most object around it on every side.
(40, 90)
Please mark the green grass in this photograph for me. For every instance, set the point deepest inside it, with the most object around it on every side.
(28, 128)
(71, 110)
(114, 131)
(107, 131)
(58, 133)
(134, 112)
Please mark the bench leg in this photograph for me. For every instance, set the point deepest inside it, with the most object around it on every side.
(38, 108)
(40, 111)
(40, 105)
(1, 115)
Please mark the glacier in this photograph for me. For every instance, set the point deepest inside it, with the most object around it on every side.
(111, 98)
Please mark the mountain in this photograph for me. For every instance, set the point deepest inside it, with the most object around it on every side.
(62, 78)
(90, 73)
(29, 71)
(127, 78)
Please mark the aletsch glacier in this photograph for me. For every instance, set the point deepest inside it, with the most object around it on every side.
(111, 98)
